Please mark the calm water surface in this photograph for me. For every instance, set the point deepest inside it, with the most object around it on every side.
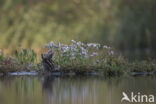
(72, 90)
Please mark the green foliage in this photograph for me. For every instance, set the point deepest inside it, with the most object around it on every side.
(25, 56)
(123, 23)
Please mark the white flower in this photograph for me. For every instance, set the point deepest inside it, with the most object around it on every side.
(79, 43)
(73, 54)
(58, 45)
(94, 45)
(82, 49)
(106, 47)
(77, 49)
(94, 54)
(65, 49)
(90, 44)
(111, 53)
(51, 44)
(73, 41)
(84, 53)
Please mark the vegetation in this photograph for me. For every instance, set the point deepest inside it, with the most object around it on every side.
(76, 57)
(22, 60)
(124, 24)
(26, 56)
(80, 57)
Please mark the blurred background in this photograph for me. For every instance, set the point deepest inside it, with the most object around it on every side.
(127, 25)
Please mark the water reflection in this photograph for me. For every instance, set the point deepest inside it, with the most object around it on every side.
(47, 88)
(71, 90)
(48, 84)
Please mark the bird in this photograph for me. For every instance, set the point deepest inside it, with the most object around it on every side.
(125, 97)
(47, 61)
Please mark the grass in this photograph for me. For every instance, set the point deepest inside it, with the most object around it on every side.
(76, 57)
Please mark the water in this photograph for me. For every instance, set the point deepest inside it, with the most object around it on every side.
(72, 90)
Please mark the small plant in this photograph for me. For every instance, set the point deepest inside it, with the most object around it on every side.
(26, 56)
